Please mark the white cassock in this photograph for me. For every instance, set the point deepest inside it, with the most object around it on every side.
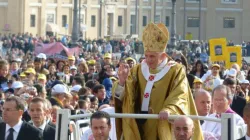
(215, 127)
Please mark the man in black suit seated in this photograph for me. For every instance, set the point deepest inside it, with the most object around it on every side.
(13, 128)
(238, 102)
(38, 110)
(246, 117)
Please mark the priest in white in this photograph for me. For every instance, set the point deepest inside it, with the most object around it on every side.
(222, 98)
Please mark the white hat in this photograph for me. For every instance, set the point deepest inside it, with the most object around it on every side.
(76, 88)
(59, 89)
(17, 84)
(232, 72)
(73, 68)
(82, 60)
(244, 82)
(41, 55)
(19, 60)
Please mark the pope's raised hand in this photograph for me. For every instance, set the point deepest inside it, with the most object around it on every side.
(123, 72)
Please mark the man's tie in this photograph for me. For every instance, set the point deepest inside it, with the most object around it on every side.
(11, 135)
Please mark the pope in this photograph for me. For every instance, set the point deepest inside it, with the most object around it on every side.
(156, 86)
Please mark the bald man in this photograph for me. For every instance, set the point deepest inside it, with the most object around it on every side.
(183, 128)
(203, 101)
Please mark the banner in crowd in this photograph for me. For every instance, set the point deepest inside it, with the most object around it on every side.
(56, 50)
(218, 49)
(233, 55)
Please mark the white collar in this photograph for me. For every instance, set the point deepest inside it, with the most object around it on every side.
(41, 126)
(162, 65)
(247, 137)
(17, 127)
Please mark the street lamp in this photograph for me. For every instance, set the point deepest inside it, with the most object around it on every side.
(184, 21)
(74, 36)
(199, 20)
(79, 18)
(100, 20)
(173, 25)
(136, 17)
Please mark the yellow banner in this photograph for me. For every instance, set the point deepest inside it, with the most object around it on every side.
(218, 49)
(233, 55)
(189, 36)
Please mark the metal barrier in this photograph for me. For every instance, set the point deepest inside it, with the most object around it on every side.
(75, 130)
(78, 124)
(229, 130)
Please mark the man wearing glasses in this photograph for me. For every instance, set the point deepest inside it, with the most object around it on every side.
(13, 128)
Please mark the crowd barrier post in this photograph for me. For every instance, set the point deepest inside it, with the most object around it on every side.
(229, 129)
(62, 124)
(228, 126)
(75, 130)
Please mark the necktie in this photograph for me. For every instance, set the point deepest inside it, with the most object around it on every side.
(41, 129)
(11, 135)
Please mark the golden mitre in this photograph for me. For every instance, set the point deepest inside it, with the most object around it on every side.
(155, 37)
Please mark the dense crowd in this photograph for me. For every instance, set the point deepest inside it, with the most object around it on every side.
(84, 83)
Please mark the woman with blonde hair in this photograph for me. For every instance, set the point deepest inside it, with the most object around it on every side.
(82, 68)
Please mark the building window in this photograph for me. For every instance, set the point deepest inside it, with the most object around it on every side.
(92, 21)
(50, 18)
(167, 21)
(32, 20)
(229, 22)
(64, 20)
(193, 22)
(192, 1)
(144, 20)
(119, 21)
(229, 1)
(157, 19)
(132, 24)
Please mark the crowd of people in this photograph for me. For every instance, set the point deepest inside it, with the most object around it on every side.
(34, 87)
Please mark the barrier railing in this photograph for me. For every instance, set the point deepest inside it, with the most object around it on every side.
(229, 130)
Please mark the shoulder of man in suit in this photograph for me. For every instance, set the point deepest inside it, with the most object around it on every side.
(30, 128)
(51, 124)
(240, 98)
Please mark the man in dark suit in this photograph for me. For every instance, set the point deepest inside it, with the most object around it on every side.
(246, 117)
(13, 128)
(38, 110)
(238, 102)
